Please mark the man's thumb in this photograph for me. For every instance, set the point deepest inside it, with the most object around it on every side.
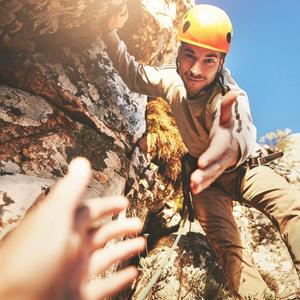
(226, 108)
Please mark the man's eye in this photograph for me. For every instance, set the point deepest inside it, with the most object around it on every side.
(210, 61)
(190, 56)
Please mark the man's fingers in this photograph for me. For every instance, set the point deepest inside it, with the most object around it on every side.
(209, 156)
(215, 151)
(221, 135)
(226, 108)
(197, 188)
(101, 288)
(104, 258)
(201, 179)
(113, 230)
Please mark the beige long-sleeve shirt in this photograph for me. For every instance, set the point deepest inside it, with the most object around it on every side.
(194, 118)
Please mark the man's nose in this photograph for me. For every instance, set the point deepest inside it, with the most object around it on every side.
(196, 69)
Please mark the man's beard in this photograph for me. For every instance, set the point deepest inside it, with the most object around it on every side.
(193, 94)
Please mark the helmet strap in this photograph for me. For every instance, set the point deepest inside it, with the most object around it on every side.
(177, 64)
(221, 64)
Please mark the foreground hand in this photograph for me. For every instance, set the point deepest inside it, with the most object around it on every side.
(55, 250)
(223, 151)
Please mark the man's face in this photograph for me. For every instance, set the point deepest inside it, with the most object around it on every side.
(198, 67)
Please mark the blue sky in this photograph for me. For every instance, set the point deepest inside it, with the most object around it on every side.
(265, 59)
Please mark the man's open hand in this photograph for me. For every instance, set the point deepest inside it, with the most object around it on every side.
(223, 151)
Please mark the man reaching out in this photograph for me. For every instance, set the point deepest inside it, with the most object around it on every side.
(213, 116)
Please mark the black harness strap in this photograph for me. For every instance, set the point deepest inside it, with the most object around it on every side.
(188, 166)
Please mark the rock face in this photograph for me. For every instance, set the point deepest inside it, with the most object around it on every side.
(32, 25)
(260, 236)
(60, 98)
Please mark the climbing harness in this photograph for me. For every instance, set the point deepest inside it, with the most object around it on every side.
(260, 160)
(188, 166)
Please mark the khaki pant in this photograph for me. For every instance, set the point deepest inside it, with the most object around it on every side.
(263, 189)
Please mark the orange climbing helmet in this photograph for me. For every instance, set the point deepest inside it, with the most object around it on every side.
(206, 26)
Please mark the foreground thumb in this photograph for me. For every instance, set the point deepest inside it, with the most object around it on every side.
(68, 192)
(226, 108)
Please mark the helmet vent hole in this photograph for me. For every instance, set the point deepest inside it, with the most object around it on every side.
(186, 26)
(228, 37)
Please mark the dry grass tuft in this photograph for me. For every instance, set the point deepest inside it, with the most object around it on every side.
(164, 142)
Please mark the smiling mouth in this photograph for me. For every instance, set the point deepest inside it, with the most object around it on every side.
(196, 79)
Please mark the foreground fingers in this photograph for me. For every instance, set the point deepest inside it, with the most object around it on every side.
(101, 288)
(68, 192)
(108, 256)
(101, 208)
(113, 230)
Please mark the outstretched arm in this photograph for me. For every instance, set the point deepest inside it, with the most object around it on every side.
(223, 151)
(232, 136)
(139, 78)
